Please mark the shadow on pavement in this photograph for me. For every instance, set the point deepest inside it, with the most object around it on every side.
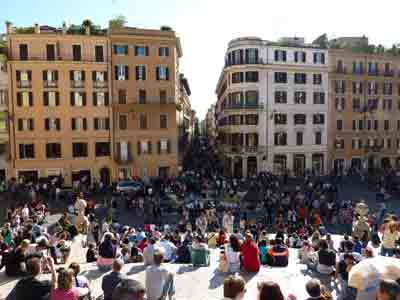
(186, 269)
(136, 269)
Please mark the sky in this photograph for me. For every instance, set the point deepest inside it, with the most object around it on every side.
(206, 26)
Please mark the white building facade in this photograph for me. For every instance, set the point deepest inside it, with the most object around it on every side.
(272, 108)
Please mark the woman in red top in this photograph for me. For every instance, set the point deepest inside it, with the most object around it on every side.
(250, 254)
(221, 239)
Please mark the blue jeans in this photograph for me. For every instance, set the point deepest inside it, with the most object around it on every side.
(387, 251)
(169, 288)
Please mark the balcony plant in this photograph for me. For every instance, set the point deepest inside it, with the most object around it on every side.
(165, 28)
(117, 22)
(25, 30)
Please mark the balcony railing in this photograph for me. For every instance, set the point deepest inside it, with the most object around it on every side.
(243, 149)
(50, 84)
(358, 71)
(388, 73)
(24, 84)
(77, 83)
(244, 106)
(341, 70)
(100, 84)
(119, 159)
(373, 73)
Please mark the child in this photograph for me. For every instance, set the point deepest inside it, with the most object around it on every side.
(91, 255)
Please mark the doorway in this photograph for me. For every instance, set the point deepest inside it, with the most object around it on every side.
(299, 165)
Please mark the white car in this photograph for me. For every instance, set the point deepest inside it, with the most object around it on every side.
(129, 186)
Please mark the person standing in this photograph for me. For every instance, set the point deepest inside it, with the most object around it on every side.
(159, 281)
(250, 254)
(228, 221)
(110, 281)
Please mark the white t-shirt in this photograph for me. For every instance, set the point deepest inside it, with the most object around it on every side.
(168, 247)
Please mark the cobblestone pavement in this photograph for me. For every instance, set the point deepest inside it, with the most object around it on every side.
(202, 283)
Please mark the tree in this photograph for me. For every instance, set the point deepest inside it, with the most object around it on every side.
(87, 23)
(322, 41)
(166, 28)
(380, 49)
(117, 22)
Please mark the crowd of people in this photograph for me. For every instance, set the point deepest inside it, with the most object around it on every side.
(261, 230)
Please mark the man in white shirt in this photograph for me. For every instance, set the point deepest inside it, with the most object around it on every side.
(228, 221)
(168, 247)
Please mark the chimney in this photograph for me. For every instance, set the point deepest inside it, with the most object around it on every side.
(37, 28)
(8, 27)
(87, 30)
(64, 27)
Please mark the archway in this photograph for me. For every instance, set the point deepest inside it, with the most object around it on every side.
(105, 176)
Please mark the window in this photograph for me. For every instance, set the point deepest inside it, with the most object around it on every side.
(50, 52)
(140, 72)
(387, 88)
(25, 125)
(357, 87)
(26, 151)
(360, 124)
(23, 78)
(251, 119)
(24, 99)
(144, 147)
(387, 104)
(280, 97)
(251, 99)
(121, 49)
(163, 51)
(376, 125)
(340, 86)
(3, 97)
(319, 98)
(99, 53)
(386, 125)
(79, 149)
(280, 77)
(372, 88)
(319, 58)
(280, 55)
(123, 151)
(164, 146)
(280, 119)
(339, 143)
(23, 52)
(237, 77)
(162, 73)
(339, 124)
(52, 124)
(318, 119)
(142, 96)
(300, 97)
(143, 121)
(78, 98)
(77, 78)
(99, 78)
(50, 78)
(280, 139)
(237, 57)
(121, 72)
(251, 56)
(300, 78)
(123, 122)
(356, 104)
(53, 150)
(76, 52)
(122, 96)
(300, 56)
(163, 121)
(78, 124)
(101, 123)
(388, 143)
(317, 79)
(252, 76)
(299, 119)
(299, 138)
(318, 138)
(51, 99)
(141, 51)
(163, 96)
(102, 149)
(100, 99)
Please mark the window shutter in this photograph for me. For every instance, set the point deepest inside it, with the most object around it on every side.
(315, 57)
(46, 124)
(72, 98)
(115, 49)
(167, 72)
(106, 99)
(94, 99)
(45, 98)
(168, 146)
(57, 98)
(58, 124)
(284, 55)
(18, 75)
(44, 74)
(30, 99)
(55, 75)
(241, 56)
(159, 147)
(159, 51)
(19, 99)
(126, 49)
(247, 139)
(84, 124)
(73, 124)
(83, 98)
(20, 124)
(71, 75)
(136, 50)
(83, 75)
(94, 75)
(137, 72)
(323, 58)
(30, 75)
(158, 75)
(107, 123)
(296, 56)
(256, 55)
(147, 50)
(116, 72)
(138, 148)
(247, 56)
(118, 150)
(167, 51)
(149, 146)
(241, 77)
(30, 123)
(105, 76)
(144, 73)
(126, 73)
(96, 123)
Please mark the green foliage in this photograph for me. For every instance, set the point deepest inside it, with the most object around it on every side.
(165, 28)
(87, 22)
(117, 22)
(322, 41)
(25, 30)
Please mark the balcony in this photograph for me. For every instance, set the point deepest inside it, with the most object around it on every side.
(358, 71)
(100, 84)
(77, 83)
(50, 84)
(24, 84)
(244, 106)
(373, 73)
(341, 70)
(389, 73)
(121, 160)
(243, 149)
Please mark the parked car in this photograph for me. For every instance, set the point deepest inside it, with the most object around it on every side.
(129, 186)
